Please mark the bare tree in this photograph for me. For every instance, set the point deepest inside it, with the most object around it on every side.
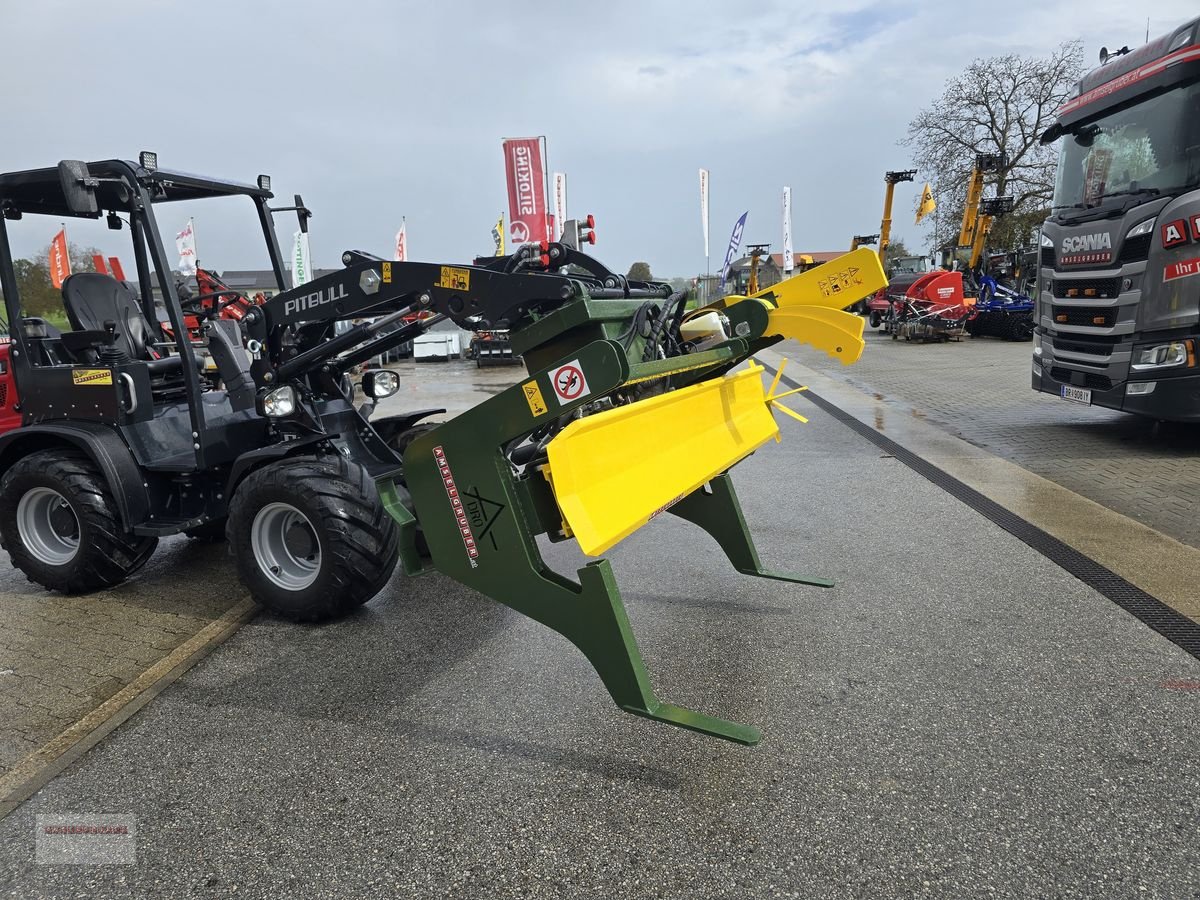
(998, 105)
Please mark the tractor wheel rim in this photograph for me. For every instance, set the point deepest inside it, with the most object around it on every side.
(48, 526)
(278, 562)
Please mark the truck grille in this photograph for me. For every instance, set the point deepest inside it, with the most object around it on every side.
(3, 395)
(1098, 288)
(1072, 344)
(1095, 382)
(1048, 258)
(1089, 316)
(1135, 249)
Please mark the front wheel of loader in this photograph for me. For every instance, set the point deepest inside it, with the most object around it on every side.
(311, 537)
(60, 525)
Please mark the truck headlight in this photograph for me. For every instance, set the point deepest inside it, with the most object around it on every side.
(1164, 356)
(380, 383)
(278, 403)
(1037, 346)
(1140, 229)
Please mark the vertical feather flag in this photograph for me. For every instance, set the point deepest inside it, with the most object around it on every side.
(60, 259)
(498, 235)
(928, 204)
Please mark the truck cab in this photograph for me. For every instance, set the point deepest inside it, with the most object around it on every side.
(1118, 310)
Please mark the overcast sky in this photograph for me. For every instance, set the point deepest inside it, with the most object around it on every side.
(378, 110)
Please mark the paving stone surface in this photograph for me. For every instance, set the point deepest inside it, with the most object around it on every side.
(61, 657)
(978, 390)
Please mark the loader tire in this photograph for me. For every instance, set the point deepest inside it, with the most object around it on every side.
(400, 441)
(61, 527)
(311, 537)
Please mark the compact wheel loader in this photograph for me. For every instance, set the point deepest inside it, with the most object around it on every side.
(632, 407)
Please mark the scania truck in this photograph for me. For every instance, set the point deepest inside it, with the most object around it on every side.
(1118, 311)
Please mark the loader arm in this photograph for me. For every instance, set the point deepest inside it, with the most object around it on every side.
(620, 419)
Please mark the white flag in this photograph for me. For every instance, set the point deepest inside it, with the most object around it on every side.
(704, 207)
(789, 258)
(402, 242)
(185, 243)
(560, 204)
(301, 267)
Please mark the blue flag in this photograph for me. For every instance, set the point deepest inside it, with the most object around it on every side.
(735, 241)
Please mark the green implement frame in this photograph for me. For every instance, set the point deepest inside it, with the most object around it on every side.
(480, 516)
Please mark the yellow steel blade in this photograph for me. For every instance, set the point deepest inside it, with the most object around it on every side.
(775, 380)
(787, 393)
(791, 412)
(837, 333)
(615, 470)
(835, 284)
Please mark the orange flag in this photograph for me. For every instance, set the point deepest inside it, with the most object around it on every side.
(60, 261)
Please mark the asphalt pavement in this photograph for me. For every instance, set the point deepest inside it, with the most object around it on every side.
(978, 389)
(958, 717)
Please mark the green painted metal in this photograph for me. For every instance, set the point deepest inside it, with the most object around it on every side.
(411, 560)
(481, 521)
(716, 510)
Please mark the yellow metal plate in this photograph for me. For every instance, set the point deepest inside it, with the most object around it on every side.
(836, 332)
(615, 470)
(835, 284)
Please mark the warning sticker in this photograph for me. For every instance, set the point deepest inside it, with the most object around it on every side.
(840, 281)
(569, 382)
(387, 273)
(455, 279)
(91, 376)
(533, 396)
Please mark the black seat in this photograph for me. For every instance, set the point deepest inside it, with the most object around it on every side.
(91, 299)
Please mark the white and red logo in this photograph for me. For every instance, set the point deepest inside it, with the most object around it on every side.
(1086, 248)
(460, 514)
(526, 189)
(1174, 233)
(570, 384)
(1184, 268)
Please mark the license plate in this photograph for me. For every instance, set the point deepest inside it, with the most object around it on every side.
(1075, 395)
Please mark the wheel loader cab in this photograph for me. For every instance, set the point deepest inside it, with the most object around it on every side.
(149, 415)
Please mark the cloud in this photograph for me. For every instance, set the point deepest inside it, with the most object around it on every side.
(377, 110)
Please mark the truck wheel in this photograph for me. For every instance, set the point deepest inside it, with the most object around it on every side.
(60, 526)
(311, 537)
(873, 318)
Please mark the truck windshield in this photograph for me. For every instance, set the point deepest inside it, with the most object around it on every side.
(1150, 148)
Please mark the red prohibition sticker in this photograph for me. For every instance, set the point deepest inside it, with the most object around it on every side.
(569, 382)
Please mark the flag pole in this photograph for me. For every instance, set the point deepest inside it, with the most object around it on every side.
(546, 187)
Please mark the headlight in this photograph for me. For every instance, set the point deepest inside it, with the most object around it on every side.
(1140, 229)
(380, 383)
(1164, 356)
(279, 403)
(1046, 242)
(1037, 344)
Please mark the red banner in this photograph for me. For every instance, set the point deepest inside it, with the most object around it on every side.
(526, 190)
(60, 261)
